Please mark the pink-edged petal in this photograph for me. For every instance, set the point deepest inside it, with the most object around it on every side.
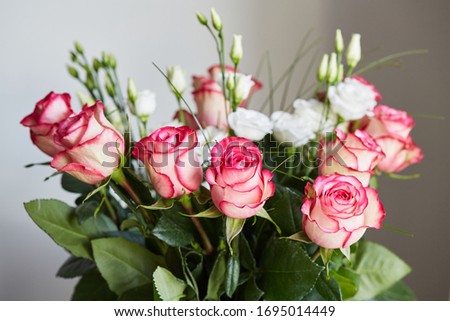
(325, 222)
(162, 184)
(60, 160)
(336, 168)
(326, 239)
(235, 211)
(82, 173)
(374, 213)
(353, 237)
(189, 171)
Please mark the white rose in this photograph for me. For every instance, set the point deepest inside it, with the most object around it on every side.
(352, 99)
(177, 77)
(291, 129)
(312, 112)
(213, 135)
(145, 104)
(250, 124)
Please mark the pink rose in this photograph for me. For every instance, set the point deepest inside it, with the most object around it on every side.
(169, 156)
(44, 120)
(355, 154)
(211, 107)
(92, 146)
(391, 129)
(239, 185)
(338, 209)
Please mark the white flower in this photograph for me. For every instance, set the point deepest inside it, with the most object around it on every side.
(291, 129)
(145, 104)
(312, 112)
(177, 77)
(351, 99)
(243, 86)
(249, 124)
(213, 135)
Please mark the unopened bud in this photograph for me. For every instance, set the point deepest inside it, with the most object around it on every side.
(354, 50)
(78, 47)
(96, 64)
(73, 57)
(339, 41)
(132, 91)
(177, 77)
(84, 99)
(109, 86)
(216, 20)
(323, 68)
(332, 68)
(201, 18)
(72, 71)
(112, 61)
(236, 49)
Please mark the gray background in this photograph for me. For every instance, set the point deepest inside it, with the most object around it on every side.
(35, 37)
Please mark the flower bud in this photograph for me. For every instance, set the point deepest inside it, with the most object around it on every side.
(73, 57)
(84, 99)
(323, 68)
(332, 68)
(105, 59)
(339, 41)
(236, 49)
(145, 105)
(96, 64)
(132, 91)
(177, 78)
(243, 86)
(216, 20)
(72, 71)
(354, 50)
(90, 83)
(112, 61)
(201, 18)
(109, 86)
(78, 47)
(230, 83)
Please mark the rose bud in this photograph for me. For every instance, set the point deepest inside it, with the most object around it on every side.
(391, 130)
(239, 185)
(211, 108)
(355, 154)
(43, 121)
(92, 146)
(338, 209)
(170, 158)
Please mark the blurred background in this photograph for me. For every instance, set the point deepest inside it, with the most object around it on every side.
(35, 38)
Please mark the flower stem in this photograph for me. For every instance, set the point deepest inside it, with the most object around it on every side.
(208, 249)
(315, 255)
(110, 208)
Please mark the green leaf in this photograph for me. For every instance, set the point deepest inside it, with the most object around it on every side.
(58, 220)
(398, 292)
(378, 268)
(129, 224)
(300, 237)
(161, 204)
(233, 227)
(287, 271)
(263, 214)
(141, 293)
(175, 230)
(348, 281)
(74, 267)
(232, 275)
(71, 184)
(98, 189)
(168, 286)
(202, 195)
(287, 212)
(192, 264)
(325, 289)
(217, 278)
(92, 287)
(211, 212)
(246, 257)
(124, 265)
(86, 210)
(249, 291)
(346, 252)
(326, 254)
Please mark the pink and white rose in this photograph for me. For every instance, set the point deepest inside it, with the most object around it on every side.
(391, 129)
(170, 158)
(239, 185)
(355, 154)
(92, 146)
(43, 121)
(353, 98)
(338, 210)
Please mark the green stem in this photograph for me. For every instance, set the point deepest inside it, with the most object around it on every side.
(315, 255)
(208, 249)
(181, 117)
(142, 128)
(110, 208)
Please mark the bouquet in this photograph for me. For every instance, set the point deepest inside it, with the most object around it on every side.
(223, 202)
